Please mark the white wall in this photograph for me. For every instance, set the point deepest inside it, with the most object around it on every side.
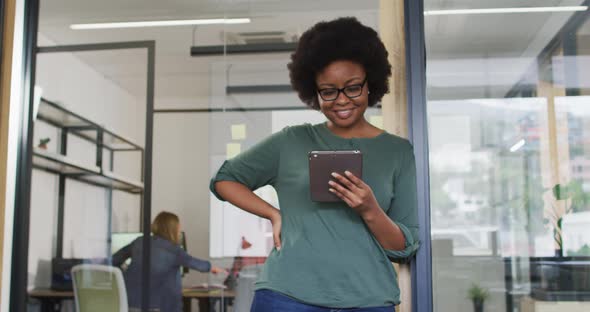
(76, 86)
(181, 180)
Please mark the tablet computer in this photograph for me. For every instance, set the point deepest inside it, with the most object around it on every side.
(321, 166)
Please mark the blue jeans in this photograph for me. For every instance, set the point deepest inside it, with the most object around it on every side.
(270, 301)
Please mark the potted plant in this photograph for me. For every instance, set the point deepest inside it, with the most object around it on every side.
(43, 143)
(559, 276)
(574, 199)
(478, 296)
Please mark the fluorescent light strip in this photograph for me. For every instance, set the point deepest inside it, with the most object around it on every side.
(506, 10)
(518, 145)
(161, 23)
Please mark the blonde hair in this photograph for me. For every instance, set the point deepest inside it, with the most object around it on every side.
(166, 226)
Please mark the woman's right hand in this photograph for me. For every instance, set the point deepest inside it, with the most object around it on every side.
(275, 220)
(217, 270)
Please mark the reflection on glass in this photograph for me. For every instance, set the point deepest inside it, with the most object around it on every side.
(252, 98)
(508, 150)
(573, 116)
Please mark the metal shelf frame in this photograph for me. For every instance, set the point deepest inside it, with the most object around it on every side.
(63, 165)
(58, 116)
(68, 122)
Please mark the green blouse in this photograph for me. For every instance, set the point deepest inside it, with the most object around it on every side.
(328, 256)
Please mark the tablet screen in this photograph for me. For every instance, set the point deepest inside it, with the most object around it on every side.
(321, 166)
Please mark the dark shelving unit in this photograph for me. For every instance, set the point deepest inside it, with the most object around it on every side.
(59, 163)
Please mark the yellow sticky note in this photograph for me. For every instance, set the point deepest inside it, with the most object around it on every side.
(238, 132)
(232, 149)
(376, 121)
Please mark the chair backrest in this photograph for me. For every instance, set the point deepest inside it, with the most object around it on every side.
(245, 287)
(99, 288)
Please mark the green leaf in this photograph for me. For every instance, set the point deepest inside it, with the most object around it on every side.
(569, 190)
(556, 191)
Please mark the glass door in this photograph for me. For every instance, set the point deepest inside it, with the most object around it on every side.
(508, 107)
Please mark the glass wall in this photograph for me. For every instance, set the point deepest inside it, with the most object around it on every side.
(250, 99)
(87, 184)
(508, 147)
(208, 108)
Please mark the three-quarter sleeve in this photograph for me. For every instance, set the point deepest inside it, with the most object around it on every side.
(404, 207)
(255, 167)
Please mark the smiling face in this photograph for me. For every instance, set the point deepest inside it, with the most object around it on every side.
(344, 113)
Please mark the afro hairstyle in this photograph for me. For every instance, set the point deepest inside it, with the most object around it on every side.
(340, 39)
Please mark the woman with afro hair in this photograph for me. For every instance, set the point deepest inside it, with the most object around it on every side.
(336, 255)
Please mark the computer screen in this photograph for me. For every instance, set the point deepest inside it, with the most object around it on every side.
(120, 240)
(183, 270)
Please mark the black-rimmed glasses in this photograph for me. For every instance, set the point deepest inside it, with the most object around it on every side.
(352, 91)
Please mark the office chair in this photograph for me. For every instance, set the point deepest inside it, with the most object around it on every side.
(99, 288)
(245, 287)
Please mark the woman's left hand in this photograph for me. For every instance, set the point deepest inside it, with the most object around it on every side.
(354, 192)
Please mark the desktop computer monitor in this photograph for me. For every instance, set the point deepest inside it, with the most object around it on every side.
(183, 270)
(120, 240)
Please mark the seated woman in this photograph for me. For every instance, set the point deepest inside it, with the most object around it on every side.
(166, 259)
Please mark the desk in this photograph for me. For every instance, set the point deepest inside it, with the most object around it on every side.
(226, 297)
(51, 299)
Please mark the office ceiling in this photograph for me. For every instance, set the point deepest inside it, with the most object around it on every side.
(453, 41)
